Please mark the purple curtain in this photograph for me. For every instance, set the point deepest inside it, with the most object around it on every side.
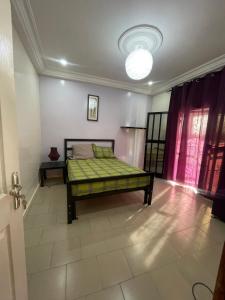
(195, 139)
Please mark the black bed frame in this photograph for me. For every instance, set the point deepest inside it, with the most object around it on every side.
(71, 200)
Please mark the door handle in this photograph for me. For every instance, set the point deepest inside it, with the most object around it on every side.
(16, 197)
(16, 192)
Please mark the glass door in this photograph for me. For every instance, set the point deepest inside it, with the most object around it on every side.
(155, 142)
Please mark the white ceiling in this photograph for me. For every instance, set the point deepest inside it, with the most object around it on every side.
(86, 33)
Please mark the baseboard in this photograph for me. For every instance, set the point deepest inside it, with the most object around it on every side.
(31, 199)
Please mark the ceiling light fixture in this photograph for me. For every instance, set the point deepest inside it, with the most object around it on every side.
(63, 62)
(138, 44)
(150, 83)
(139, 64)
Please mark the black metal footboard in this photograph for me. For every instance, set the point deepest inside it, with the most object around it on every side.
(71, 200)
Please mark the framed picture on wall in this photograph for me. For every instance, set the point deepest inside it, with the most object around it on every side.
(92, 108)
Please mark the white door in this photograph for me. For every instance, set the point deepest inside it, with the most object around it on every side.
(13, 281)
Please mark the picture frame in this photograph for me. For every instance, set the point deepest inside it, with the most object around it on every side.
(92, 108)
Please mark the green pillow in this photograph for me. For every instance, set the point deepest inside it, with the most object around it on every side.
(103, 152)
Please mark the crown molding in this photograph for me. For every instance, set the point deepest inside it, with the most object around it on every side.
(94, 80)
(24, 22)
(212, 65)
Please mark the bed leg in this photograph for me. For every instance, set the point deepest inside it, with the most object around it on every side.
(150, 190)
(74, 213)
(73, 207)
(146, 196)
(69, 204)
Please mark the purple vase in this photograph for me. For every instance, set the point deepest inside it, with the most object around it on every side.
(54, 155)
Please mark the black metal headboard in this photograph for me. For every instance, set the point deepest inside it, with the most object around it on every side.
(68, 142)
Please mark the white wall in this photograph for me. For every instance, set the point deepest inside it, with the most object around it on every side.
(64, 115)
(28, 117)
(161, 102)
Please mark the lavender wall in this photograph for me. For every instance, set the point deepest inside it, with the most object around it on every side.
(28, 117)
(64, 111)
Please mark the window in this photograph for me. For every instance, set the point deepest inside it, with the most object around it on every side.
(189, 146)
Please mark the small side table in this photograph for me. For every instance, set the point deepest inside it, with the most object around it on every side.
(50, 166)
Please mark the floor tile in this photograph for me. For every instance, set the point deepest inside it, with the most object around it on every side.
(49, 284)
(190, 240)
(66, 251)
(215, 229)
(82, 278)
(61, 217)
(121, 219)
(118, 242)
(38, 258)
(113, 268)
(192, 271)
(32, 236)
(113, 293)
(44, 220)
(140, 288)
(57, 206)
(93, 249)
(80, 228)
(39, 208)
(144, 257)
(171, 284)
(139, 234)
(209, 258)
(56, 233)
(92, 238)
(28, 222)
(100, 224)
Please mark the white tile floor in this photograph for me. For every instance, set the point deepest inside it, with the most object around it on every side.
(119, 249)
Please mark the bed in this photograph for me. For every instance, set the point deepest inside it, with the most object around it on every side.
(91, 178)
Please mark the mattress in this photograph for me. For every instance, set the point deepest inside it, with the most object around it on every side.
(79, 170)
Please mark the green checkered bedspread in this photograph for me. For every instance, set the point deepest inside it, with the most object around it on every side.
(97, 168)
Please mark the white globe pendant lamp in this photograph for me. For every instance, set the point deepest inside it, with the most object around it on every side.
(138, 44)
(139, 64)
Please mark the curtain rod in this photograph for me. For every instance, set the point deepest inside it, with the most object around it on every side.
(198, 78)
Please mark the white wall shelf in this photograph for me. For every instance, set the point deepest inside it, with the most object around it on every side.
(132, 127)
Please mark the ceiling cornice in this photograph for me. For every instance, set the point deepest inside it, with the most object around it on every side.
(25, 24)
(201, 70)
(95, 80)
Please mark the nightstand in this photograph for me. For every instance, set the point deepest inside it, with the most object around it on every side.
(51, 166)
